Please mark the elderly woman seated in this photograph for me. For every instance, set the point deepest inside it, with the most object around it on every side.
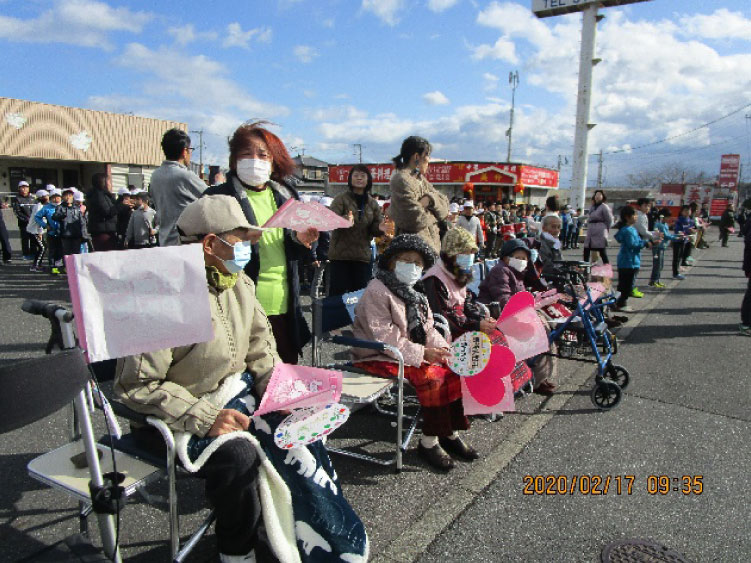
(393, 310)
(207, 392)
(503, 281)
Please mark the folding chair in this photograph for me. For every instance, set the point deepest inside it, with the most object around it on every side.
(140, 464)
(333, 314)
(34, 389)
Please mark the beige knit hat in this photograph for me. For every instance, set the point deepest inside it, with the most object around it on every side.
(458, 241)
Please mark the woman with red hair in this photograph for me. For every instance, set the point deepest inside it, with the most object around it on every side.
(259, 165)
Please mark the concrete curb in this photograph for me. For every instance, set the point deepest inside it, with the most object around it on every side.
(416, 539)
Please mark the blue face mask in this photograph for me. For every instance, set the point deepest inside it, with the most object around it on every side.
(243, 251)
(465, 261)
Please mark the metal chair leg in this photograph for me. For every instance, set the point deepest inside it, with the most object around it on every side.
(174, 517)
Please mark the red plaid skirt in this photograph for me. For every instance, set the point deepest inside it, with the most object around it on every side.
(436, 386)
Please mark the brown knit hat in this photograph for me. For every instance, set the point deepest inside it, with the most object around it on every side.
(458, 241)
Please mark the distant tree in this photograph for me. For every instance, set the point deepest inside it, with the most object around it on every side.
(670, 173)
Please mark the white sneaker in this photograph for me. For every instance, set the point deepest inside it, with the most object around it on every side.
(249, 558)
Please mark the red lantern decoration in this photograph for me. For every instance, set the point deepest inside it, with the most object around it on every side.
(469, 189)
(519, 187)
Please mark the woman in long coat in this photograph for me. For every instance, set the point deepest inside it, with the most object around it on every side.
(599, 221)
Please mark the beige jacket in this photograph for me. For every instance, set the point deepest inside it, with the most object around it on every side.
(354, 243)
(170, 384)
(408, 213)
(381, 316)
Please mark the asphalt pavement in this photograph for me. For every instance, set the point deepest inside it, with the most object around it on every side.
(684, 413)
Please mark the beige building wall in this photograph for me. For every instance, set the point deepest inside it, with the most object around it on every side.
(43, 131)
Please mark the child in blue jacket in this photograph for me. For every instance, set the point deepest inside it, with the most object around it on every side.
(684, 226)
(44, 219)
(629, 259)
(658, 249)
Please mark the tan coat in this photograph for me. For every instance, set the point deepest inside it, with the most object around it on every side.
(408, 213)
(382, 316)
(354, 243)
(170, 384)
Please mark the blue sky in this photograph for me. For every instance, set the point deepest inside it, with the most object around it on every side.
(332, 73)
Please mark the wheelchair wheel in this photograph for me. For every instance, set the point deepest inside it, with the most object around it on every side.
(606, 395)
(619, 375)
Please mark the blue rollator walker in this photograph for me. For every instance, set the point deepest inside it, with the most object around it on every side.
(584, 336)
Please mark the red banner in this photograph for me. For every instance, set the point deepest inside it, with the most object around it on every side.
(730, 166)
(479, 173)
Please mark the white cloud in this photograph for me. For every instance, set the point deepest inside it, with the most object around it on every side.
(87, 23)
(329, 23)
(722, 24)
(436, 98)
(491, 82)
(305, 53)
(386, 10)
(503, 49)
(440, 5)
(335, 113)
(187, 33)
(236, 37)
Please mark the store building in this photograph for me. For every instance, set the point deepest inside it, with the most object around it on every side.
(310, 175)
(49, 144)
(488, 181)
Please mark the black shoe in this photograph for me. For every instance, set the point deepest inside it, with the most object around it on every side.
(436, 457)
(459, 449)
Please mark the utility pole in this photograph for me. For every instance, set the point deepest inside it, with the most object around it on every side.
(599, 171)
(200, 149)
(358, 149)
(586, 62)
(513, 80)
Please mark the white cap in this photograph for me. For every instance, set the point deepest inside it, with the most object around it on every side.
(50, 187)
(70, 189)
(55, 191)
(23, 183)
(454, 208)
(326, 201)
(469, 203)
(123, 191)
(42, 193)
(78, 196)
(135, 191)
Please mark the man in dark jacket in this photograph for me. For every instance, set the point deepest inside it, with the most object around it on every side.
(72, 224)
(102, 210)
(124, 211)
(22, 204)
(727, 222)
(745, 328)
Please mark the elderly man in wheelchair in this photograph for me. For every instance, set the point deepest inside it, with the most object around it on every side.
(267, 507)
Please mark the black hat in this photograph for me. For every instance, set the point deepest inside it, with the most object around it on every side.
(404, 243)
(512, 245)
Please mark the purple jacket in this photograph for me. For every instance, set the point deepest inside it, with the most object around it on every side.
(502, 282)
(598, 224)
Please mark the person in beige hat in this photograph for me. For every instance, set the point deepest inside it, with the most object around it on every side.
(207, 392)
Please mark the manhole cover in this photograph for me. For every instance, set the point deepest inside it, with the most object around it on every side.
(640, 551)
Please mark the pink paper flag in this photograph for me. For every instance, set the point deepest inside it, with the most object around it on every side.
(491, 390)
(596, 289)
(302, 215)
(604, 271)
(518, 301)
(525, 333)
(294, 387)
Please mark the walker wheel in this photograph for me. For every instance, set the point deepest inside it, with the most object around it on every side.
(606, 395)
(619, 375)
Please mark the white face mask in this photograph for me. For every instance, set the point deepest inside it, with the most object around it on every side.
(254, 171)
(518, 265)
(407, 273)
(465, 261)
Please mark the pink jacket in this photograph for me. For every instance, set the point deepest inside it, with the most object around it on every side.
(382, 316)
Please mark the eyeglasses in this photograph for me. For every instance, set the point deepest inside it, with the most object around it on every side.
(191, 149)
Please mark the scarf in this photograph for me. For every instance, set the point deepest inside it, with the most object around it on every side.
(415, 302)
(219, 280)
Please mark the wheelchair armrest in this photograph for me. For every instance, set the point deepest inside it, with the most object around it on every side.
(357, 343)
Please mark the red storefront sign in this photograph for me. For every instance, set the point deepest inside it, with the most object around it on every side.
(479, 173)
(730, 166)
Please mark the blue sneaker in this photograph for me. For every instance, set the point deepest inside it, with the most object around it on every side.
(679, 277)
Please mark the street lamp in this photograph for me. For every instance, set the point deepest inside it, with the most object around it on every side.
(513, 80)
